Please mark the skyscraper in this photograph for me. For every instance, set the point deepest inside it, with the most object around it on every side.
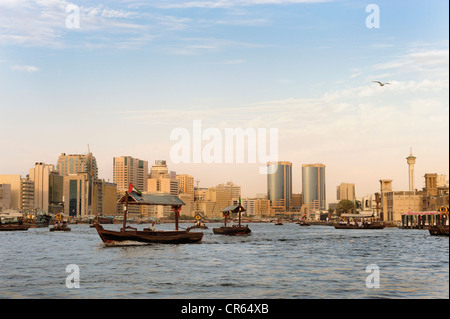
(279, 184)
(77, 163)
(313, 186)
(127, 169)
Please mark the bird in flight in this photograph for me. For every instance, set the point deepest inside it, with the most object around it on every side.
(381, 84)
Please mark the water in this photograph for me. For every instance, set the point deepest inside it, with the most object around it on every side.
(286, 262)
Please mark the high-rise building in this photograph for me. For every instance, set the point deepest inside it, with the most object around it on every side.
(346, 191)
(158, 169)
(5, 196)
(279, 184)
(313, 186)
(48, 188)
(186, 185)
(126, 170)
(411, 160)
(77, 163)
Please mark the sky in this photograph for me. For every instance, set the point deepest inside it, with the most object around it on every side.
(120, 77)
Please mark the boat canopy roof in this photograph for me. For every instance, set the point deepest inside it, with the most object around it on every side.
(423, 213)
(363, 215)
(151, 199)
(233, 209)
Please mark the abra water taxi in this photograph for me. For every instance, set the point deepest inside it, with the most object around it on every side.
(358, 221)
(127, 233)
(232, 230)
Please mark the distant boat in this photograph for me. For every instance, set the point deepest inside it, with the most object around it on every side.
(232, 230)
(359, 222)
(304, 223)
(438, 230)
(12, 227)
(147, 235)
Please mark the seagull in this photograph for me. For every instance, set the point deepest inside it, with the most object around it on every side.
(381, 84)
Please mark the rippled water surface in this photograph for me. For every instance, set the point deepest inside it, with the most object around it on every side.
(285, 261)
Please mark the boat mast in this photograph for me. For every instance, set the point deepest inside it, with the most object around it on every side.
(125, 212)
(240, 211)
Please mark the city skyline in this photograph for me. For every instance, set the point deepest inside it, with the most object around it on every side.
(133, 72)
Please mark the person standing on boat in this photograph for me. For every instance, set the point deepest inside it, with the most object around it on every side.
(152, 226)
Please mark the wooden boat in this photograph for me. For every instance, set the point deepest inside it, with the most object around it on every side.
(127, 233)
(232, 230)
(198, 224)
(363, 226)
(304, 223)
(438, 230)
(279, 223)
(366, 223)
(60, 226)
(13, 227)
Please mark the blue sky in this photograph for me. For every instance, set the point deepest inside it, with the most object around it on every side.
(135, 70)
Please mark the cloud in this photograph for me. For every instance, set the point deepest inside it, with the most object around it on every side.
(231, 3)
(25, 68)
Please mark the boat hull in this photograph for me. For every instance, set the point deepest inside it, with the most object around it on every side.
(232, 231)
(366, 226)
(147, 236)
(438, 230)
(13, 227)
(60, 229)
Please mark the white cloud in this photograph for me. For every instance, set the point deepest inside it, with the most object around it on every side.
(25, 68)
(231, 3)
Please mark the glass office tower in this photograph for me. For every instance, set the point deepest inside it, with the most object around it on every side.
(279, 184)
(313, 186)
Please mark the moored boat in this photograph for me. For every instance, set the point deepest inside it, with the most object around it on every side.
(12, 227)
(438, 230)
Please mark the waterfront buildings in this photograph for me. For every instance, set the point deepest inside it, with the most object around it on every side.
(313, 186)
(279, 185)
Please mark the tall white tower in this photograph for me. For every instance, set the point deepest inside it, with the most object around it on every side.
(411, 160)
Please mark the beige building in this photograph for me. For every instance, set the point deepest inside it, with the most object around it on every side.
(127, 169)
(20, 192)
(256, 207)
(105, 199)
(401, 202)
(186, 184)
(69, 164)
(346, 191)
(12, 193)
(48, 188)
(5, 197)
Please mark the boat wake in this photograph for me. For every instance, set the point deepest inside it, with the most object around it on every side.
(125, 243)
